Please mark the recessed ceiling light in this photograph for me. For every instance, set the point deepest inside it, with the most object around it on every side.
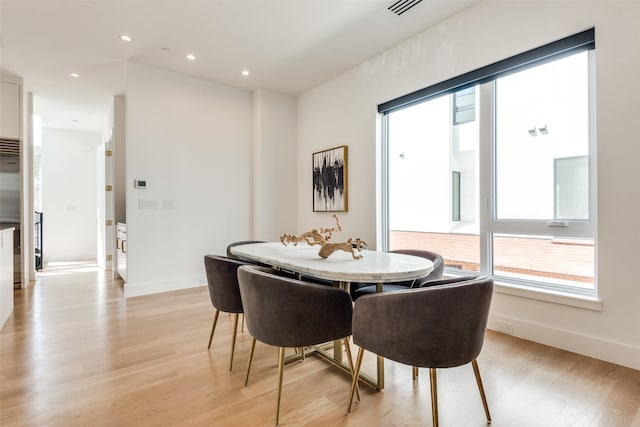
(74, 74)
(191, 57)
(245, 72)
(126, 38)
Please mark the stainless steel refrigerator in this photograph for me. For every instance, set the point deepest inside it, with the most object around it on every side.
(10, 202)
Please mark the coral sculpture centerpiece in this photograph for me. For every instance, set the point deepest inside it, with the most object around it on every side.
(321, 236)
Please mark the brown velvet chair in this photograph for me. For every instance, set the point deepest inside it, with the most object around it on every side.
(285, 312)
(442, 326)
(291, 274)
(359, 289)
(239, 243)
(222, 278)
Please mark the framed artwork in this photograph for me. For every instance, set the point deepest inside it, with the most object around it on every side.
(330, 180)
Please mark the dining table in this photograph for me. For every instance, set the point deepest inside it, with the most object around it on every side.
(341, 268)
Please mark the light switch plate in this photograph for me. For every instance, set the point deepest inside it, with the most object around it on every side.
(147, 204)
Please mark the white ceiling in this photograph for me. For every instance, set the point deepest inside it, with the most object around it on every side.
(289, 46)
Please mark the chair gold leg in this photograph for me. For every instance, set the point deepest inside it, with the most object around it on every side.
(280, 372)
(233, 340)
(242, 324)
(347, 348)
(253, 347)
(354, 381)
(476, 371)
(215, 320)
(414, 370)
(434, 396)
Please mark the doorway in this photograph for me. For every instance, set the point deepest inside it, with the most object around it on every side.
(65, 194)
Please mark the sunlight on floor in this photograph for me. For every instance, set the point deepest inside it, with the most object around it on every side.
(55, 268)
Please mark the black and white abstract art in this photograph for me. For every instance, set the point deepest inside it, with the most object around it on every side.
(330, 180)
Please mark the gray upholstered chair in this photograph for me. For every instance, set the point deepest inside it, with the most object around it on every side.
(359, 289)
(442, 326)
(285, 312)
(304, 277)
(239, 243)
(222, 278)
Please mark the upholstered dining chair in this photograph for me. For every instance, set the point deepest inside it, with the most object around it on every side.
(222, 278)
(359, 289)
(304, 277)
(239, 243)
(231, 255)
(443, 326)
(285, 312)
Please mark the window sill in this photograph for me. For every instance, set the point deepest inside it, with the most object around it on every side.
(521, 291)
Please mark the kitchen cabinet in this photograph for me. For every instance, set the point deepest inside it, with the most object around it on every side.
(6, 274)
(121, 250)
(10, 107)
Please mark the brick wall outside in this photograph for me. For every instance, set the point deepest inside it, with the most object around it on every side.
(542, 257)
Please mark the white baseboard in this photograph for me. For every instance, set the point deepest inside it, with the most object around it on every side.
(587, 345)
(147, 288)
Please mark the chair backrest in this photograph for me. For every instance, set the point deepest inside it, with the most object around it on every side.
(436, 273)
(446, 281)
(285, 312)
(241, 242)
(436, 327)
(222, 278)
(438, 264)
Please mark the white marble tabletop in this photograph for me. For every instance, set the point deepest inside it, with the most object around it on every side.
(373, 267)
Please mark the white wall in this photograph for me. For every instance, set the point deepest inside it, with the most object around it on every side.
(343, 111)
(190, 140)
(119, 159)
(68, 165)
(27, 250)
(274, 165)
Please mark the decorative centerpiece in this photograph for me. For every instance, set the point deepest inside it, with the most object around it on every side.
(321, 236)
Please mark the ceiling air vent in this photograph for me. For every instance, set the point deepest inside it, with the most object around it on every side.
(401, 6)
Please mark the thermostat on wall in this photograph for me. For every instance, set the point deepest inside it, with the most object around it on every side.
(139, 183)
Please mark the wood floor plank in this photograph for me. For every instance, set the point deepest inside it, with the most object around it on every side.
(75, 352)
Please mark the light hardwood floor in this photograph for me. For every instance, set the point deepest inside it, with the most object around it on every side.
(75, 352)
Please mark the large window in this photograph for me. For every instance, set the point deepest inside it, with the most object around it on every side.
(496, 172)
